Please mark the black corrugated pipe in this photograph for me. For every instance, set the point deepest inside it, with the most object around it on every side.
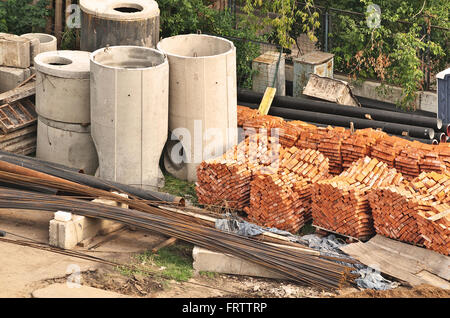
(88, 180)
(341, 110)
(344, 121)
(448, 129)
(442, 137)
(338, 124)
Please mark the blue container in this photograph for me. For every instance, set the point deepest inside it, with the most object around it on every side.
(443, 91)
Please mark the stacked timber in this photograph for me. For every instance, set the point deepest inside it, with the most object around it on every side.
(359, 145)
(282, 199)
(330, 146)
(225, 181)
(394, 211)
(341, 204)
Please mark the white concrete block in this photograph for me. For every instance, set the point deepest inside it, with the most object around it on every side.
(63, 216)
(429, 101)
(206, 260)
(67, 229)
(14, 50)
(11, 77)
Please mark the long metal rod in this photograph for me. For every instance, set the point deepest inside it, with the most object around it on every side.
(292, 264)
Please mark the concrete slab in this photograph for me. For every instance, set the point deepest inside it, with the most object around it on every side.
(14, 50)
(66, 291)
(425, 100)
(209, 261)
(11, 77)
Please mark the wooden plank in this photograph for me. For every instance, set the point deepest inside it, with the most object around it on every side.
(19, 93)
(58, 19)
(402, 261)
(18, 133)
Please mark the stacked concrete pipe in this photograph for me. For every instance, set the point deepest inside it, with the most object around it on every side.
(202, 101)
(118, 22)
(40, 43)
(129, 113)
(63, 106)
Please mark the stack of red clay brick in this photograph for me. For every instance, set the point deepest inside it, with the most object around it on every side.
(225, 181)
(330, 146)
(359, 145)
(244, 114)
(417, 212)
(388, 148)
(341, 204)
(282, 199)
(343, 148)
(394, 213)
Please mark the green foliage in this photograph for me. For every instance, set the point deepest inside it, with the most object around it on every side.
(195, 16)
(21, 16)
(180, 188)
(172, 262)
(394, 52)
(287, 18)
(69, 39)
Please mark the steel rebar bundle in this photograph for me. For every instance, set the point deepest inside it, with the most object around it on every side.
(295, 265)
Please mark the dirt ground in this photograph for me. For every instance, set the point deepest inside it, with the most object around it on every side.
(25, 269)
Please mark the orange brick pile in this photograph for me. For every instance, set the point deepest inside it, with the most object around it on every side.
(433, 217)
(282, 199)
(330, 146)
(388, 148)
(359, 145)
(261, 123)
(410, 157)
(341, 204)
(417, 212)
(244, 114)
(443, 150)
(289, 134)
(225, 181)
(394, 213)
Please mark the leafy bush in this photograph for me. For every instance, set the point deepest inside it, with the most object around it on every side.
(195, 16)
(22, 16)
(394, 52)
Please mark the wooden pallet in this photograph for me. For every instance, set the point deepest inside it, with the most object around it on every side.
(16, 115)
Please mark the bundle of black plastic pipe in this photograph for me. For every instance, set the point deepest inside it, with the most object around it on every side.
(344, 121)
(67, 173)
(341, 110)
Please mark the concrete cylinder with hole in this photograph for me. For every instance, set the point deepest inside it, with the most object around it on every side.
(68, 144)
(40, 43)
(63, 106)
(129, 113)
(202, 101)
(118, 22)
